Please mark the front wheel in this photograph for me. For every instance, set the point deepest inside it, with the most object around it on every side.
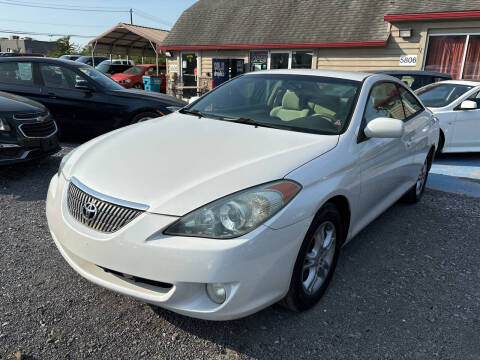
(138, 86)
(316, 260)
(143, 117)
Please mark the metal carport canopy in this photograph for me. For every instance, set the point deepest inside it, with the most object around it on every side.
(131, 40)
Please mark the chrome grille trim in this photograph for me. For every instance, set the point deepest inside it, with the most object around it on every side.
(111, 216)
(50, 124)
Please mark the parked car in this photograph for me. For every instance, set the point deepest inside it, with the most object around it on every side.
(83, 101)
(417, 79)
(456, 104)
(70, 57)
(133, 77)
(109, 68)
(27, 130)
(91, 60)
(244, 197)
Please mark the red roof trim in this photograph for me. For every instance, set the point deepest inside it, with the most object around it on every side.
(429, 16)
(278, 46)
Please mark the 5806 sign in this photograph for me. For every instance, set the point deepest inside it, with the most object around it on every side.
(408, 60)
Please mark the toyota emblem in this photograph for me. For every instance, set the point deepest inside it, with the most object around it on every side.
(89, 211)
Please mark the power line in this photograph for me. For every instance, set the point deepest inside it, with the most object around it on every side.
(64, 7)
(151, 17)
(46, 23)
(8, 31)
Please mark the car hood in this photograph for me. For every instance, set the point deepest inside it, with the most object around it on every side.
(178, 163)
(139, 94)
(14, 103)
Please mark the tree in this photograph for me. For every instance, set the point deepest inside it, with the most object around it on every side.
(63, 46)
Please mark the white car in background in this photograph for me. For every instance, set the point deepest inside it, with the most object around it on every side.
(246, 196)
(456, 103)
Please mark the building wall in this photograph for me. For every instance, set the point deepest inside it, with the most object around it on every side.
(388, 58)
(26, 46)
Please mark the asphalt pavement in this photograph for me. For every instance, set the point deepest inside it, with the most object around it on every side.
(407, 287)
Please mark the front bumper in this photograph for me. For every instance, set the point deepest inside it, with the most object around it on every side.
(171, 271)
(27, 149)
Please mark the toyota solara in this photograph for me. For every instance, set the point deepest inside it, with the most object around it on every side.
(245, 197)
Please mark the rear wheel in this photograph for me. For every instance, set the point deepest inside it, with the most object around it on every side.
(316, 260)
(441, 143)
(144, 117)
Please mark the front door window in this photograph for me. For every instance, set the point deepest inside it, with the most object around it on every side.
(279, 60)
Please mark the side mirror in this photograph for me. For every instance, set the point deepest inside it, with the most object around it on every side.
(385, 128)
(468, 105)
(193, 98)
(83, 85)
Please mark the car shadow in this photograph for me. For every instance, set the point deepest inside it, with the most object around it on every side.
(370, 294)
(28, 181)
(458, 159)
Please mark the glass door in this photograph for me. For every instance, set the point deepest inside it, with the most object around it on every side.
(189, 74)
(279, 60)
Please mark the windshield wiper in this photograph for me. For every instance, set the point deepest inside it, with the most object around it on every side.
(192, 112)
(248, 121)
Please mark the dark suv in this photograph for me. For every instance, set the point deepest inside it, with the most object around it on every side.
(27, 130)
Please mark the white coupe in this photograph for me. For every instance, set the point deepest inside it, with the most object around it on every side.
(245, 197)
(456, 103)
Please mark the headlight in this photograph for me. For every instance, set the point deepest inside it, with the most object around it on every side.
(4, 125)
(236, 214)
(64, 162)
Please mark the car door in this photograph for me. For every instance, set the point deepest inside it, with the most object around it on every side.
(71, 106)
(20, 78)
(466, 127)
(385, 165)
(417, 121)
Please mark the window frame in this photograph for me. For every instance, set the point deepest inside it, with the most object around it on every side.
(35, 74)
(465, 50)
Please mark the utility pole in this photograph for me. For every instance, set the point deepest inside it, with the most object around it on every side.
(131, 16)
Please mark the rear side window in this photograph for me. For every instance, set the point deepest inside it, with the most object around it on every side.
(384, 101)
(17, 73)
(410, 104)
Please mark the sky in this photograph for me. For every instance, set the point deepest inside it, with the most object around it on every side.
(38, 16)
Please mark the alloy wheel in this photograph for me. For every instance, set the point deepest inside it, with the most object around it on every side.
(421, 178)
(319, 259)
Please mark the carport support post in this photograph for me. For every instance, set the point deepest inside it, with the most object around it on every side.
(93, 52)
(156, 55)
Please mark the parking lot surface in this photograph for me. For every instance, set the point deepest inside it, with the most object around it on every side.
(407, 287)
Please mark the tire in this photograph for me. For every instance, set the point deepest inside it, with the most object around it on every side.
(144, 116)
(441, 143)
(306, 288)
(138, 86)
(414, 195)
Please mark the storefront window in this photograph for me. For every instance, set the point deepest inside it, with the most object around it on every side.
(279, 60)
(445, 54)
(258, 60)
(471, 69)
(302, 59)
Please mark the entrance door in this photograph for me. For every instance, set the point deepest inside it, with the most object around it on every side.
(279, 60)
(189, 74)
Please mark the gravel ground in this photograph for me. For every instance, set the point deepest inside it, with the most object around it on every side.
(406, 288)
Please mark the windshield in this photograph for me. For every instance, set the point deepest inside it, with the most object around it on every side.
(104, 67)
(293, 102)
(441, 94)
(100, 78)
(135, 70)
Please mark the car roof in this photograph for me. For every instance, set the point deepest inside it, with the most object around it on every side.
(43, 60)
(461, 82)
(412, 72)
(349, 75)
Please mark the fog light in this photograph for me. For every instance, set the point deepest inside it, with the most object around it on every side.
(216, 293)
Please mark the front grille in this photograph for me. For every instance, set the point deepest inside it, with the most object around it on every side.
(38, 129)
(30, 116)
(98, 214)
